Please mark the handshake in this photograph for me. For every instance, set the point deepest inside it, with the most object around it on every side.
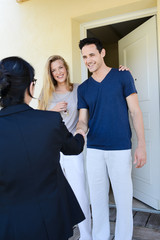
(80, 131)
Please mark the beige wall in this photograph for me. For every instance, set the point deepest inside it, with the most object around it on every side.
(37, 29)
(158, 29)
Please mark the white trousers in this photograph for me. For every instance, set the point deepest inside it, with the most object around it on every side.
(73, 169)
(116, 166)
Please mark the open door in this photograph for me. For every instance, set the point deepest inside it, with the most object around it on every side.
(138, 51)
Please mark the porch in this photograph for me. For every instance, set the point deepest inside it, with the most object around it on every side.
(146, 226)
(146, 221)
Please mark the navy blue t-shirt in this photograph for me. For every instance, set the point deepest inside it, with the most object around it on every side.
(109, 127)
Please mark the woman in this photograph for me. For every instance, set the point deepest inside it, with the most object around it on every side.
(60, 95)
(36, 201)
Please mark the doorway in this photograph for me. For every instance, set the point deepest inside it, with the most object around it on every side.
(110, 35)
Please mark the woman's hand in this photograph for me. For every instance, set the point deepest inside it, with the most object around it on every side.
(123, 68)
(80, 131)
(61, 106)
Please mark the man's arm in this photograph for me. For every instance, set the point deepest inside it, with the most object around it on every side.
(83, 120)
(136, 114)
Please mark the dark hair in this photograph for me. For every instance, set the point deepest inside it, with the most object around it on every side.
(88, 41)
(16, 76)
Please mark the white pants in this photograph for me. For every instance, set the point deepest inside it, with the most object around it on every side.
(73, 169)
(116, 166)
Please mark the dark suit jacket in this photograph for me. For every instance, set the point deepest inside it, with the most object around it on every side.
(36, 201)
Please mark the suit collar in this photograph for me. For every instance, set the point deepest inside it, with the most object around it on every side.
(14, 109)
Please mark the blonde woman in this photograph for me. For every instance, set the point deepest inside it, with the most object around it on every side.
(60, 95)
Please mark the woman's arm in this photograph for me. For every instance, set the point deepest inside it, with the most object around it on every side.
(71, 145)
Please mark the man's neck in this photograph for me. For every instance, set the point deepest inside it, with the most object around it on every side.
(101, 73)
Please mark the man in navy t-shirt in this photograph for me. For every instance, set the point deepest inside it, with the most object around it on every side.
(103, 102)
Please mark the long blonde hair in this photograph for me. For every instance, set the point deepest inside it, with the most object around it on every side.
(49, 83)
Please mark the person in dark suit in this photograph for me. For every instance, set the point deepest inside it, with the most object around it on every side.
(36, 201)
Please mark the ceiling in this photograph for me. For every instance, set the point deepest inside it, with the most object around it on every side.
(112, 33)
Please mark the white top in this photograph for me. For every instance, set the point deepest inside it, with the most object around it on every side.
(71, 116)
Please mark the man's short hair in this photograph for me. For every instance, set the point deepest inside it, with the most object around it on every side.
(88, 41)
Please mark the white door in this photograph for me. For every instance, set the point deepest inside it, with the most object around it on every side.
(138, 51)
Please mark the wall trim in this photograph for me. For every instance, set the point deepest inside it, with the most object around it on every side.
(21, 1)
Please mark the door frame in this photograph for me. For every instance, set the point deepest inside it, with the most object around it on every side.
(107, 21)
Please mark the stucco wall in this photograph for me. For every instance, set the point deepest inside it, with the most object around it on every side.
(37, 29)
(158, 30)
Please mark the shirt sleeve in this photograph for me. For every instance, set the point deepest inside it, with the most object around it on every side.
(71, 145)
(128, 84)
(81, 98)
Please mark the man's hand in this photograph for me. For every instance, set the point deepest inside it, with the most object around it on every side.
(80, 131)
(83, 120)
(140, 157)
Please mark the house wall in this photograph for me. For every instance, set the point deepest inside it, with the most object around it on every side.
(158, 30)
(36, 29)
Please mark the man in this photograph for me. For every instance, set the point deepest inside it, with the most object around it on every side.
(103, 102)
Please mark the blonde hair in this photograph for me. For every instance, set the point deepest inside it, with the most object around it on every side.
(49, 83)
